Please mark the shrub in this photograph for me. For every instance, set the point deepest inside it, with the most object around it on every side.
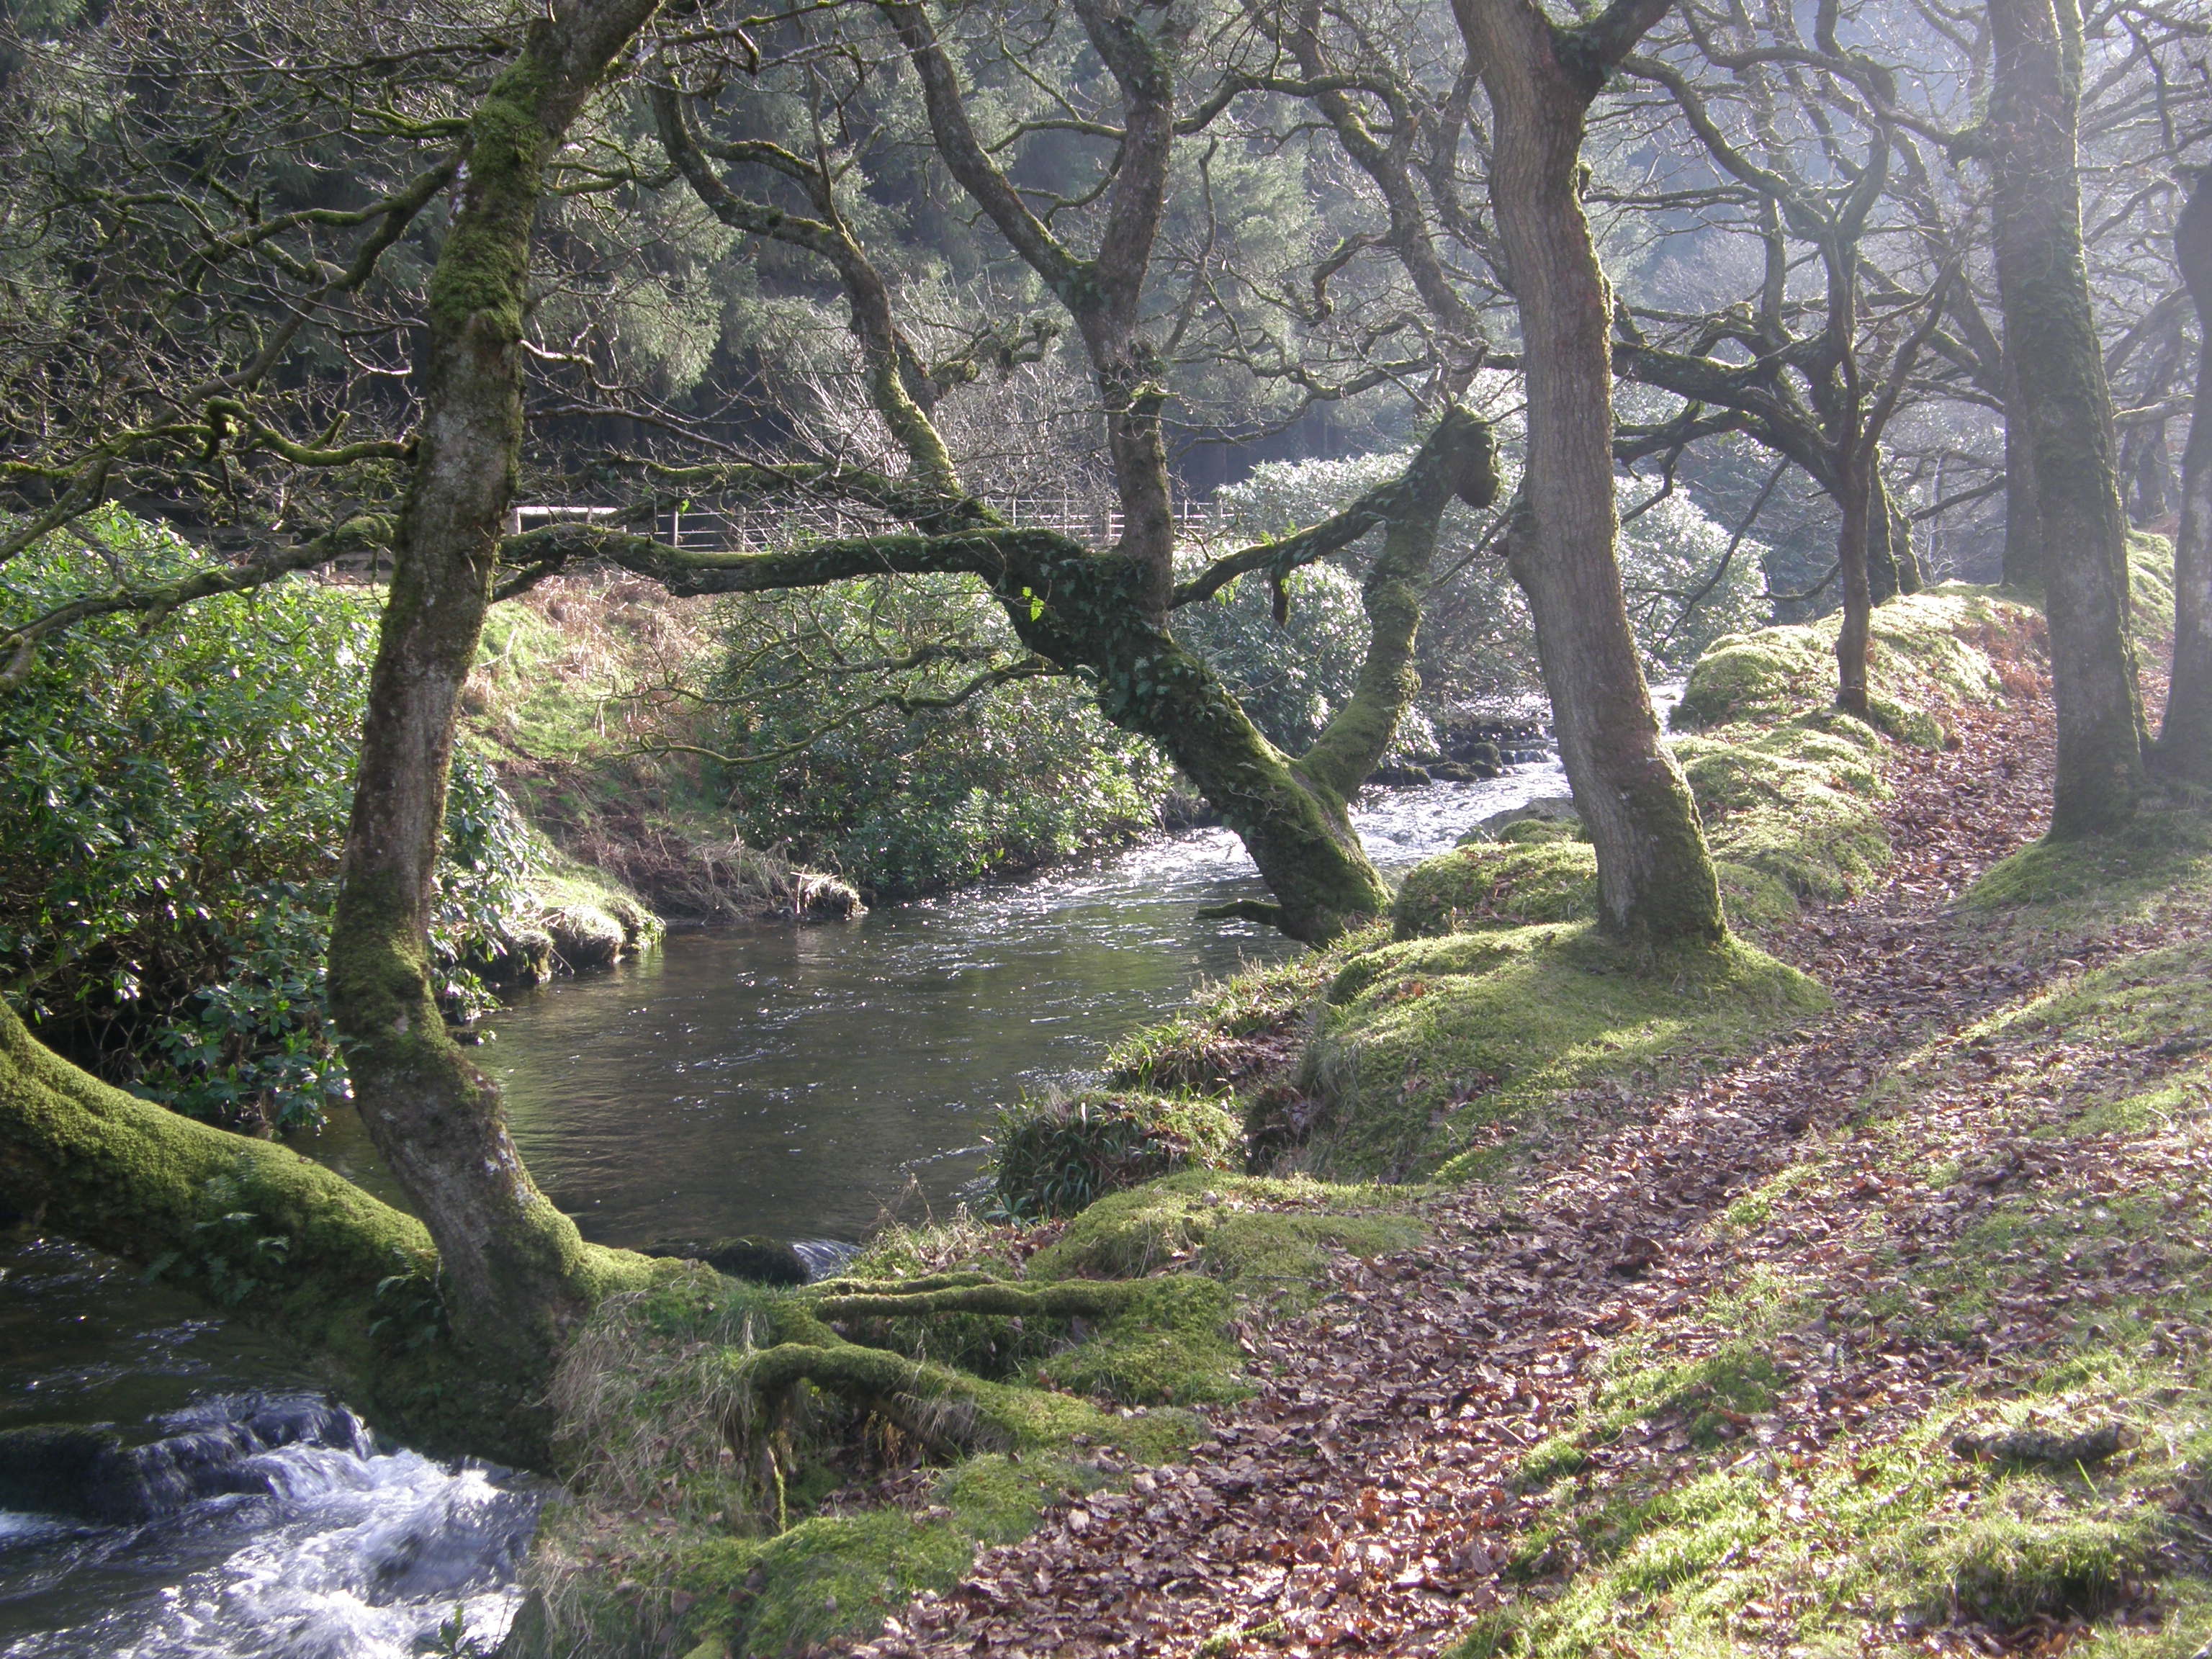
(172, 801)
(1059, 1154)
(908, 802)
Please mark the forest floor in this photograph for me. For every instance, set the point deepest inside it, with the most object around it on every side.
(1704, 1385)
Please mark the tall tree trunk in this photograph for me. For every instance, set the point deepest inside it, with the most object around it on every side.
(2050, 337)
(1655, 881)
(2023, 531)
(2185, 739)
(1854, 494)
(517, 1270)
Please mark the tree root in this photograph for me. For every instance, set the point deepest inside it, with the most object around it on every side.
(833, 1287)
(932, 1405)
(1267, 915)
(1076, 1299)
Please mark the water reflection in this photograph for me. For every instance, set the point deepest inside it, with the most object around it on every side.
(787, 1081)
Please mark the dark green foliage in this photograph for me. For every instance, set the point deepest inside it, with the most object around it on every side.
(172, 804)
(1290, 677)
(1057, 1155)
(906, 800)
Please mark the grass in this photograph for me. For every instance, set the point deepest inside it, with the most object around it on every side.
(1674, 1519)
(1429, 1043)
(681, 1534)
(1425, 1052)
(2016, 1248)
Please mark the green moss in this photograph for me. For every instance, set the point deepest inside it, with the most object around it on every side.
(1210, 1043)
(2075, 1215)
(1497, 885)
(1056, 1154)
(1170, 1347)
(1930, 649)
(1537, 832)
(1258, 1236)
(615, 1588)
(1440, 1042)
(2150, 586)
(2049, 895)
(262, 1233)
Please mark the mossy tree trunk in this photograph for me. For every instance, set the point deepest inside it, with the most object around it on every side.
(1105, 614)
(1086, 612)
(518, 1271)
(1894, 566)
(2050, 339)
(1855, 496)
(1656, 880)
(261, 1233)
(2185, 739)
(2023, 531)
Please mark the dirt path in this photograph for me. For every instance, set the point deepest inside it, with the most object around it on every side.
(1360, 1503)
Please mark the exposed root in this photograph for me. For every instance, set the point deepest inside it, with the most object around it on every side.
(1267, 915)
(932, 1405)
(1083, 1299)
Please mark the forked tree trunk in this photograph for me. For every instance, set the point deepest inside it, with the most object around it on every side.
(2050, 339)
(1655, 881)
(517, 1270)
(2185, 739)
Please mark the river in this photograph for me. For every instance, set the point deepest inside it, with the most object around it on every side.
(796, 1082)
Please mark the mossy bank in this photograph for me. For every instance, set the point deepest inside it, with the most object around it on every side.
(1959, 1393)
(1436, 1049)
(710, 1513)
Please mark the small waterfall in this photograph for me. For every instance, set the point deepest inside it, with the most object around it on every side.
(257, 1527)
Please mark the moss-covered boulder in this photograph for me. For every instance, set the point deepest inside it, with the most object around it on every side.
(1430, 1045)
(1497, 885)
(1251, 1233)
(1056, 1154)
(1792, 812)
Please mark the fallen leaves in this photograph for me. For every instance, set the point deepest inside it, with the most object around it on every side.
(1365, 1501)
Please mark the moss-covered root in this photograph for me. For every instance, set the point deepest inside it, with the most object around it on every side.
(894, 1300)
(251, 1222)
(259, 1231)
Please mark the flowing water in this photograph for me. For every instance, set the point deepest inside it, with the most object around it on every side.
(788, 1081)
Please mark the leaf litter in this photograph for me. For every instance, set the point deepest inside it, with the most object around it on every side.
(1370, 1499)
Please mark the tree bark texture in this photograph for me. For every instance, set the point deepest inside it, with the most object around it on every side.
(2185, 739)
(2065, 405)
(518, 1271)
(1655, 881)
(2023, 530)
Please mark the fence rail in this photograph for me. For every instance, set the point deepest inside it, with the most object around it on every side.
(716, 530)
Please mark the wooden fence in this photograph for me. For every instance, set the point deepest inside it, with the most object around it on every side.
(762, 530)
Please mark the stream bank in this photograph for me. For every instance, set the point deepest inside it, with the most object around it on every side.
(759, 1079)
